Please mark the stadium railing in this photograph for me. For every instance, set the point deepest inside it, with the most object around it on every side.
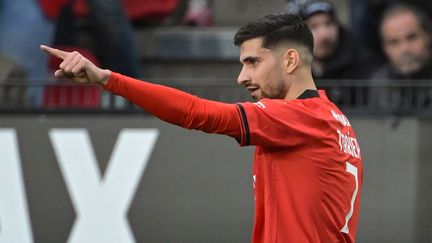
(382, 97)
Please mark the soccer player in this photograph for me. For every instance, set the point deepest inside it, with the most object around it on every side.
(307, 171)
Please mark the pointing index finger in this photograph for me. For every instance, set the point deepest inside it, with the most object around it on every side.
(54, 52)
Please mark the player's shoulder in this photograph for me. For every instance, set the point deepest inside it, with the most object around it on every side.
(267, 105)
(301, 105)
(294, 110)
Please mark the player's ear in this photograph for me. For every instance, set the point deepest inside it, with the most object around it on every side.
(291, 59)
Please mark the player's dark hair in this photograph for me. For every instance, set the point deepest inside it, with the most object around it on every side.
(276, 29)
(422, 17)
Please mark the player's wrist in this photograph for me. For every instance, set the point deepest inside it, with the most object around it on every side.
(106, 74)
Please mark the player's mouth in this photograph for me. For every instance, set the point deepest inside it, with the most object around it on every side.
(253, 91)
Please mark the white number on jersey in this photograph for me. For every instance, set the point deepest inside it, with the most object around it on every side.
(352, 170)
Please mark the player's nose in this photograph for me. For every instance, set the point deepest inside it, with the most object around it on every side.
(243, 76)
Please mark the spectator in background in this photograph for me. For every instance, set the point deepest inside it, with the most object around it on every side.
(111, 30)
(23, 28)
(337, 54)
(114, 33)
(366, 16)
(406, 39)
(12, 90)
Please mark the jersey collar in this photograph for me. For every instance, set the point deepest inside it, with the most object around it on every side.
(309, 93)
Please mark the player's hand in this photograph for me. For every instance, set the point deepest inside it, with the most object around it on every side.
(77, 68)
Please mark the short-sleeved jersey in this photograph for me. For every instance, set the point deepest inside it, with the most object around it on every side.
(307, 170)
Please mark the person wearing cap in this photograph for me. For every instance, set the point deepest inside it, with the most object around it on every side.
(337, 54)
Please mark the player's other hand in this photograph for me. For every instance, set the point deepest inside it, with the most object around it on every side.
(77, 68)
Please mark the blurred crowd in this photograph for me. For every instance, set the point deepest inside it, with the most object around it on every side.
(387, 40)
(25, 24)
(384, 40)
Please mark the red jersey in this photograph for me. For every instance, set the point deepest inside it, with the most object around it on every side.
(307, 167)
(307, 170)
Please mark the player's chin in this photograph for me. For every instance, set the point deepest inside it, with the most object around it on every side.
(256, 95)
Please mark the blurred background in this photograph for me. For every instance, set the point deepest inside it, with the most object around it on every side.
(373, 58)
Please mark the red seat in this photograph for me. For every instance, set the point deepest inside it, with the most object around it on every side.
(137, 9)
(150, 9)
(52, 8)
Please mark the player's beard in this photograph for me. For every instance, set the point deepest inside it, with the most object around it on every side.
(276, 90)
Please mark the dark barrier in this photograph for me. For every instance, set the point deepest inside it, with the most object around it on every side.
(132, 178)
(360, 97)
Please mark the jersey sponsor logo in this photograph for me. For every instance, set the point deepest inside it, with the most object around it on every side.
(350, 168)
(348, 144)
(260, 104)
(341, 118)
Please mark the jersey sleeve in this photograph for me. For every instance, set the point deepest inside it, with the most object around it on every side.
(179, 108)
(274, 124)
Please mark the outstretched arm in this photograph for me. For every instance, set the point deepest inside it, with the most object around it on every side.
(166, 103)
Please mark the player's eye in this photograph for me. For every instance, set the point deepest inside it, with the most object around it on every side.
(250, 61)
(253, 62)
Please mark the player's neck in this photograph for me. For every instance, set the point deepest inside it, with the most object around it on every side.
(300, 83)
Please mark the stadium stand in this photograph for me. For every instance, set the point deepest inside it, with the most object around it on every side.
(12, 84)
(204, 61)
